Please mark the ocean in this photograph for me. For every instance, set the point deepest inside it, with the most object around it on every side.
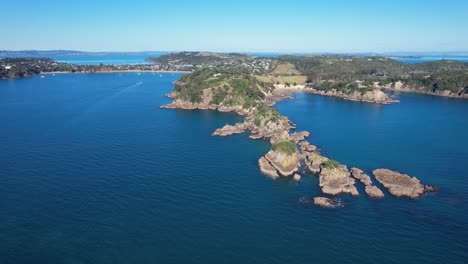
(93, 171)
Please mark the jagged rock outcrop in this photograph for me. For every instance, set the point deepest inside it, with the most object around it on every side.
(359, 174)
(307, 147)
(228, 130)
(299, 136)
(327, 202)
(337, 180)
(314, 161)
(375, 96)
(374, 192)
(276, 130)
(285, 164)
(371, 190)
(400, 185)
(267, 168)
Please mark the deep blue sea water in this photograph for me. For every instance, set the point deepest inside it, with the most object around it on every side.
(430, 58)
(92, 171)
(108, 59)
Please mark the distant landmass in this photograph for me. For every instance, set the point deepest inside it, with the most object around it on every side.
(49, 53)
(52, 53)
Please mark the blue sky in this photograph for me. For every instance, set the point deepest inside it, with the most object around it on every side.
(241, 25)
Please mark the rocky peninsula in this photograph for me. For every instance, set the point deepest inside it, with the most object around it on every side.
(291, 153)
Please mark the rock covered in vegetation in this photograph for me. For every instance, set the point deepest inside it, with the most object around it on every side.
(400, 185)
(314, 161)
(285, 163)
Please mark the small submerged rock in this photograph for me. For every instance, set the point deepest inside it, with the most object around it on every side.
(328, 202)
(400, 185)
(297, 177)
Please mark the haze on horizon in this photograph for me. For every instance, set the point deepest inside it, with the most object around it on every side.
(244, 26)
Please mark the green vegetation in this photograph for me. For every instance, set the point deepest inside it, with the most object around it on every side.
(287, 147)
(342, 73)
(262, 112)
(192, 61)
(456, 82)
(331, 164)
(28, 67)
(229, 88)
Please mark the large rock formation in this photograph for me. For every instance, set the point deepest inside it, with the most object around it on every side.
(314, 161)
(359, 174)
(285, 164)
(337, 180)
(371, 190)
(374, 192)
(267, 168)
(400, 185)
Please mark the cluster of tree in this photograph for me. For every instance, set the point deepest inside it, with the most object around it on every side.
(453, 81)
(191, 61)
(27, 67)
(287, 147)
(228, 87)
(195, 58)
(341, 73)
(345, 87)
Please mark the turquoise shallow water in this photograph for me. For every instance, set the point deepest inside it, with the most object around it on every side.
(92, 171)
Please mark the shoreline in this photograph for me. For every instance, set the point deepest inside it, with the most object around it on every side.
(118, 71)
(334, 178)
(302, 89)
(426, 93)
(282, 92)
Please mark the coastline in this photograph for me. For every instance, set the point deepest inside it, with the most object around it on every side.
(406, 90)
(334, 178)
(118, 71)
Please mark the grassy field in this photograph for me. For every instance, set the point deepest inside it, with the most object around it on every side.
(298, 79)
(285, 69)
